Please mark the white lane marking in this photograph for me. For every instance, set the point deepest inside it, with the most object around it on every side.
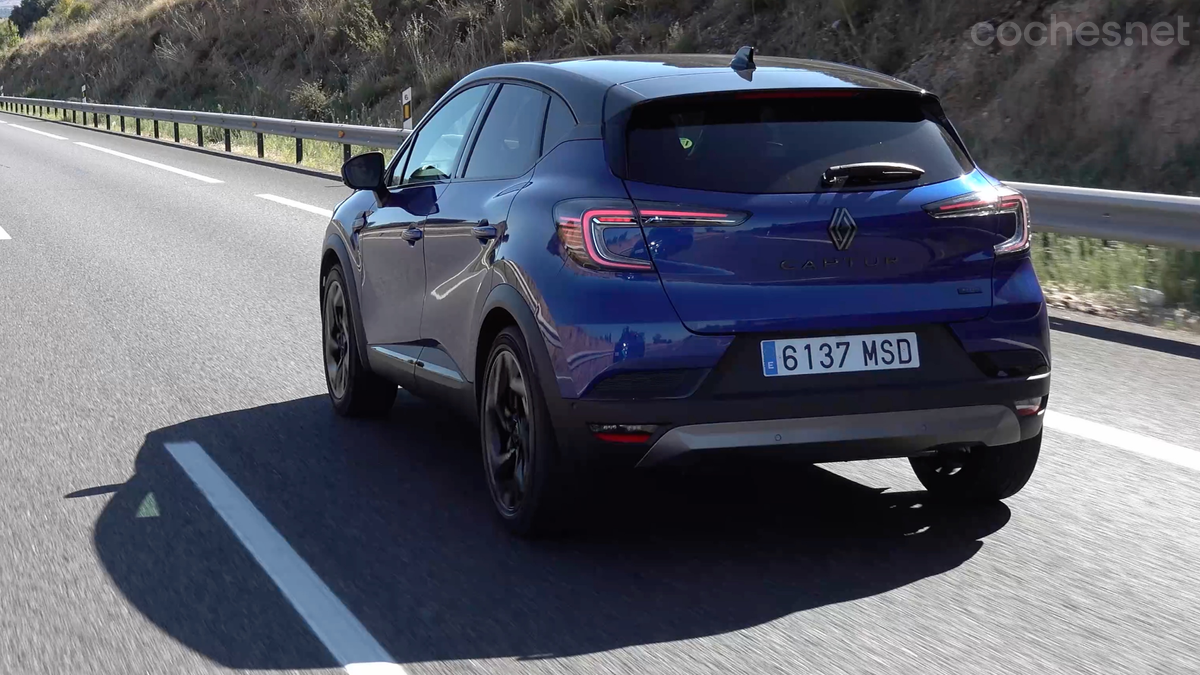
(1125, 440)
(35, 131)
(342, 634)
(3, 234)
(147, 162)
(297, 205)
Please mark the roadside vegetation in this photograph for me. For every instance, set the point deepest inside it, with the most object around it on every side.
(1113, 117)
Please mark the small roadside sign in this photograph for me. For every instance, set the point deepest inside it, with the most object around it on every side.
(406, 110)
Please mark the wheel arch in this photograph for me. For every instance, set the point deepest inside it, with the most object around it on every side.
(335, 253)
(505, 307)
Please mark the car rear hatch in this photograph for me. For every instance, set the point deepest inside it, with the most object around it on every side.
(802, 210)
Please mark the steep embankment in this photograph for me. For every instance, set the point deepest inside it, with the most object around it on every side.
(1121, 117)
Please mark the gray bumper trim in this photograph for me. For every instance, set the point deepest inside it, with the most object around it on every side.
(896, 433)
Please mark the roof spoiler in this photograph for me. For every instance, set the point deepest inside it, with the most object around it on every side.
(744, 59)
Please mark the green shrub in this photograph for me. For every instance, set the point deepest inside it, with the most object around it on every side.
(362, 29)
(312, 102)
(9, 36)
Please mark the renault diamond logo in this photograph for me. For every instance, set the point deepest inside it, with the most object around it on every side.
(842, 229)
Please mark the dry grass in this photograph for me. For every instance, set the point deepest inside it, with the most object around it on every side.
(1107, 117)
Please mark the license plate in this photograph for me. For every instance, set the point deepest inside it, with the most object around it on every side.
(840, 354)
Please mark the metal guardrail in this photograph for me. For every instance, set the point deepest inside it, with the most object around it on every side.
(346, 134)
(1139, 217)
(1143, 218)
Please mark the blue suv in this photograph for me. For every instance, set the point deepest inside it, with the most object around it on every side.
(646, 260)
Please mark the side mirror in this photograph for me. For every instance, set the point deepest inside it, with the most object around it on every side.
(365, 172)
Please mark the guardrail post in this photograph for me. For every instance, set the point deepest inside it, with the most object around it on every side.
(122, 124)
(176, 131)
(299, 150)
(108, 121)
(345, 152)
(156, 128)
(96, 120)
(137, 126)
(227, 146)
(260, 145)
(199, 135)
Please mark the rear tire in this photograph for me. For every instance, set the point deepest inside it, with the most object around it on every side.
(353, 389)
(981, 474)
(528, 482)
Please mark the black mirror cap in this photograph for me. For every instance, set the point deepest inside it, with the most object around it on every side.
(364, 172)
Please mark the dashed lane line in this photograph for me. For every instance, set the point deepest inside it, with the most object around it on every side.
(3, 234)
(297, 205)
(340, 631)
(147, 162)
(1125, 440)
(36, 131)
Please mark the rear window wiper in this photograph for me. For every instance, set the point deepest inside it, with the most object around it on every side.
(870, 173)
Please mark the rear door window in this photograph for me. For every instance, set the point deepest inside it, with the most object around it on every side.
(510, 140)
(782, 142)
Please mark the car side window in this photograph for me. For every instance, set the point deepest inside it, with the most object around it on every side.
(510, 140)
(559, 123)
(440, 139)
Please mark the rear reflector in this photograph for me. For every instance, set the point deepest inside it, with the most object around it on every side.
(623, 433)
(1029, 407)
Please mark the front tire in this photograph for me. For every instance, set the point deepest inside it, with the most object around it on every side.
(353, 389)
(525, 476)
(980, 474)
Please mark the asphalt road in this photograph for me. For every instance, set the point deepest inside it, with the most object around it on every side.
(141, 307)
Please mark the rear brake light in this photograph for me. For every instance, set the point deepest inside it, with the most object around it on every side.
(793, 93)
(590, 230)
(608, 233)
(1000, 200)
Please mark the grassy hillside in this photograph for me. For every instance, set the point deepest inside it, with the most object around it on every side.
(1115, 117)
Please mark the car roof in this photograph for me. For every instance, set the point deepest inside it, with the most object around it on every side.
(584, 82)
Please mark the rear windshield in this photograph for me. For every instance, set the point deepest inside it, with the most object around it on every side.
(782, 142)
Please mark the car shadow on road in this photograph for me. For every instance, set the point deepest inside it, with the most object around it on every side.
(394, 516)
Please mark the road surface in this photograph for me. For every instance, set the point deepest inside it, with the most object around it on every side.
(178, 497)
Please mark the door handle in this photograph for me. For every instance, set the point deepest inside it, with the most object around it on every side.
(483, 230)
(412, 235)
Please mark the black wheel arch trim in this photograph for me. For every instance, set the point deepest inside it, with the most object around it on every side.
(508, 298)
(337, 245)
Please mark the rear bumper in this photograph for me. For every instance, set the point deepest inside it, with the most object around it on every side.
(844, 437)
(839, 425)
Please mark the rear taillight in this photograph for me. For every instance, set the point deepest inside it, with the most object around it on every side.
(602, 234)
(607, 234)
(997, 201)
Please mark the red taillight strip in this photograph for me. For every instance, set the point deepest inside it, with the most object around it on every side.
(608, 216)
(636, 437)
(681, 214)
(672, 217)
(751, 95)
